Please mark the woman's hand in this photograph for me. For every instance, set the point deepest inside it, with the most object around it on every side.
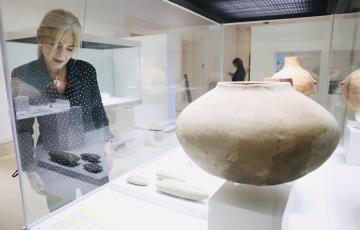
(109, 157)
(36, 182)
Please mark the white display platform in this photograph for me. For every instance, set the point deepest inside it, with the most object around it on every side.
(177, 162)
(109, 210)
(238, 206)
(326, 199)
(123, 124)
(352, 142)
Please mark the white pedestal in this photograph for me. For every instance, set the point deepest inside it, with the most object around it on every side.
(125, 123)
(245, 207)
(352, 143)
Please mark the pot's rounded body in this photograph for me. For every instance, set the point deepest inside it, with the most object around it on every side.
(351, 90)
(302, 79)
(257, 133)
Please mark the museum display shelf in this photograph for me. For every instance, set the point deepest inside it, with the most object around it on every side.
(40, 110)
(52, 108)
(323, 199)
(177, 163)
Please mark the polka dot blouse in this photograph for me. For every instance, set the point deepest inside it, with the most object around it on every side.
(62, 131)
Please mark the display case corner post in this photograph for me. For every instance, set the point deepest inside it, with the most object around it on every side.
(11, 111)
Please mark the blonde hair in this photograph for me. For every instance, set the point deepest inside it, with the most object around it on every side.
(55, 24)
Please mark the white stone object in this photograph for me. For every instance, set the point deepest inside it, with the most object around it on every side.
(181, 189)
(165, 174)
(137, 180)
(239, 206)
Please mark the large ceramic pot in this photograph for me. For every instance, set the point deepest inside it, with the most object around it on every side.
(351, 90)
(259, 133)
(301, 78)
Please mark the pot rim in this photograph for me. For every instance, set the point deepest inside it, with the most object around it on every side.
(254, 84)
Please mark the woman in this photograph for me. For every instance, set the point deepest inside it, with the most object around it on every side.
(54, 77)
(239, 74)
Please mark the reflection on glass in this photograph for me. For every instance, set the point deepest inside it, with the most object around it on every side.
(55, 115)
(345, 59)
(71, 151)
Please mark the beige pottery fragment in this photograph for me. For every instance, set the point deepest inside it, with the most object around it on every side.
(302, 79)
(259, 133)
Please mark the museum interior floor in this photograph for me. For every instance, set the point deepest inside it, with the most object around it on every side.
(11, 216)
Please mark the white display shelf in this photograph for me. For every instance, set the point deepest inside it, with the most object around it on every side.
(41, 110)
(326, 199)
(179, 163)
(120, 101)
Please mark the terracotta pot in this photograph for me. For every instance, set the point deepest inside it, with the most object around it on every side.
(259, 133)
(302, 79)
(351, 91)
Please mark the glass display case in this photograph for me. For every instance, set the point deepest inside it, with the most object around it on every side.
(91, 122)
(124, 88)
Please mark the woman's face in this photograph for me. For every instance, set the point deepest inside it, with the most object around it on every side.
(56, 58)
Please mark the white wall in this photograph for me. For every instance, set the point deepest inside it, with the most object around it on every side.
(237, 39)
(27, 14)
(201, 61)
(154, 83)
(127, 71)
(208, 61)
(102, 60)
(174, 66)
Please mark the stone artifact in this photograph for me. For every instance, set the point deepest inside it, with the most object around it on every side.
(93, 168)
(259, 133)
(137, 180)
(181, 189)
(164, 174)
(64, 158)
(90, 157)
(301, 78)
(351, 90)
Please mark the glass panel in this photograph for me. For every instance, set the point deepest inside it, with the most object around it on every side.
(264, 46)
(345, 59)
(112, 106)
